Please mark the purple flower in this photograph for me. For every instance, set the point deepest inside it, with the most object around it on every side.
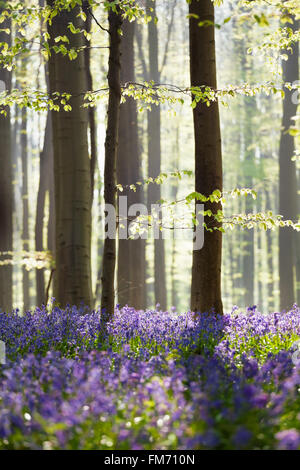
(241, 438)
(288, 440)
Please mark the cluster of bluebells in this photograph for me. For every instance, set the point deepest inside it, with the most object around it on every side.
(149, 380)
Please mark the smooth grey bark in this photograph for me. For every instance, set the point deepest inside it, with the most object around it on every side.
(72, 172)
(91, 109)
(174, 282)
(206, 268)
(131, 253)
(46, 184)
(271, 303)
(287, 182)
(154, 158)
(25, 226)
(249, 165)
(6, 190)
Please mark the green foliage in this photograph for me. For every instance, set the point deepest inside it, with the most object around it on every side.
(262, 346)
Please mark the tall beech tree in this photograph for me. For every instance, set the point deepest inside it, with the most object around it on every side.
(287, 180)
(174, 193)
(248, 164)
(111, 146)
(46, 185)
(206, 267)
(296, 188)
(154, 157)
(91, 109)
(131, 253)
(72, 172)
(6, 188)
(25, 220)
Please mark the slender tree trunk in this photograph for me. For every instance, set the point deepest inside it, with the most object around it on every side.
(72, 172)
(206, 269)
(258, 267)
(248, 165)
(297, 197)
(46, 185)
(287, 182)
(271, 299)
(154, 160)
(91, 110)
(100, 238)
(248, 258)
(297, 256)
(131, 253)
(46, 175)
(111, 145)
(174, 282)
(52, 218)
(6, 189)
(92, 119)
(25, 231)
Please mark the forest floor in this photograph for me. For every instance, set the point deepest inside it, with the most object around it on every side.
(153, 380)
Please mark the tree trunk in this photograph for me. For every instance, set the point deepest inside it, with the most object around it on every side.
(175, 187)
(46, 178)
(206, 269)
(131, 253)
(249, 154)
(25, 231)
(91, 109)
(154, 160)
(271, 268)
(111, 145)
(287, 182)
(100, 242)
(6, 190)
(297, 254)
(72, 173)
(248, 165)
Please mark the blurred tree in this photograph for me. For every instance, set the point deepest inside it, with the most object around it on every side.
(287, 180)
(6, 188)
(91, 110)
(46, 184)
(154, 157)
(248, 164)
(25, 224)
(131, 253)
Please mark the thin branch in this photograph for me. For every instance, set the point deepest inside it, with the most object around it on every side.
(96, 21)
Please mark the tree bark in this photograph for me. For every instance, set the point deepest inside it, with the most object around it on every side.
(175, 187)
(270, 283)
(6, 190)
(154, 159)
(248, 165)
(72, 172)
(45, 185)
(111, 145)
(91, 109)
(131, 253)
(25, 231)
(206, 268)
(287, 182)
